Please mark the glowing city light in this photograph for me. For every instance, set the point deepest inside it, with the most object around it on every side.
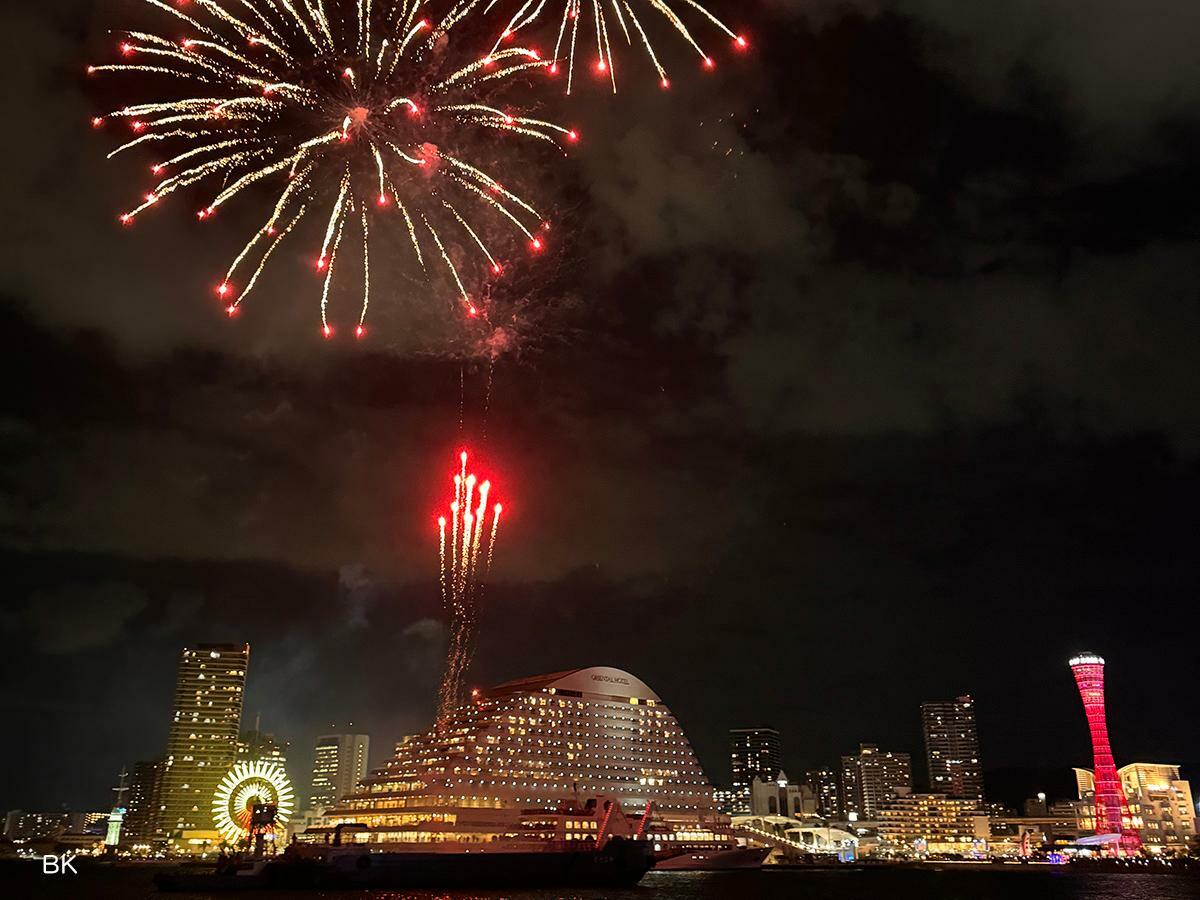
(1112, 809)
(247, 784)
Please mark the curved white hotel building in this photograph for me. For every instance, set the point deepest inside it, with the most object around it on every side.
(536, 764)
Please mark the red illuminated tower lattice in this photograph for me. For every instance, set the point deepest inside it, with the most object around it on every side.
(1112, 812)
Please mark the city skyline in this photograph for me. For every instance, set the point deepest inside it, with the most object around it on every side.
(767, 744)
(518, 730)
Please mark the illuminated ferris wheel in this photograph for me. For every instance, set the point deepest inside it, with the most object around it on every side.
(260, 784)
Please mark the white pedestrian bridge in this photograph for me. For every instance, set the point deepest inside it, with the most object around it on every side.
(796, 837)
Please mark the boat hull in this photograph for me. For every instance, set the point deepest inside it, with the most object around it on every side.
(715, 860)
(620, 864)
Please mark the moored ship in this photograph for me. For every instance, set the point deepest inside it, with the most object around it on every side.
(620, 862)
(715, 860)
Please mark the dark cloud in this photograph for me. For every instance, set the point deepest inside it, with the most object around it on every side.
(926, 355)
(78, 618)
(1120, 72)
(840, 299)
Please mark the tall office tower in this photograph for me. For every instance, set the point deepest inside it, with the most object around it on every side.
(202, 744)
(871, 778)
(255, 744)
(1112, 810)
(952, 748)
(339, 764)
(755, 753)
(142, 801)
(825, 786)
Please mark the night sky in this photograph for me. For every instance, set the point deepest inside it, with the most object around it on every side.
(864, 373)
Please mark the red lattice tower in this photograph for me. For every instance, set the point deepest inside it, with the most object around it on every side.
(1112, 811)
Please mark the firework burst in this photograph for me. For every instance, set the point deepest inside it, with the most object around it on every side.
(465, 548)
(586, 30)
(356, 116)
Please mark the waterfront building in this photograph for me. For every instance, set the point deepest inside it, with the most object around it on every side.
(87, 821)
(64, 826)
(553, 758)
(141, 806)
(826, 789)
(952, 748)
(339, 764)
(1022, 836)
(922, 824)
(754, 753)
(1159, 803)
(1110, 808)
(723, 799)
(779, 797)
(301, 822)
(21, 826)
(1085, 784)
(1162, 802)
(871, 778)
(202, 744)
(1036, 806)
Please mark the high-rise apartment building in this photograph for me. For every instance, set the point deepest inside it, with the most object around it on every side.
(871, 778)
(952, 748)
(202, 744)
(142, 802)
(339, 764)
(754, 753)
(827, 790)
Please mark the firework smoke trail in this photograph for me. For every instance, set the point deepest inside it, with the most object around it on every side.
(462, 577)
(338, 107)
(626, 17)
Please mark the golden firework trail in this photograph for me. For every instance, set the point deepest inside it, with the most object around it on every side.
(472, 546)
(607, 21)
(363, 114)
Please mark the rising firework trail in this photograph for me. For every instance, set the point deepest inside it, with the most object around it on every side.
(465, 547)
(363, 117)
(586, 30)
